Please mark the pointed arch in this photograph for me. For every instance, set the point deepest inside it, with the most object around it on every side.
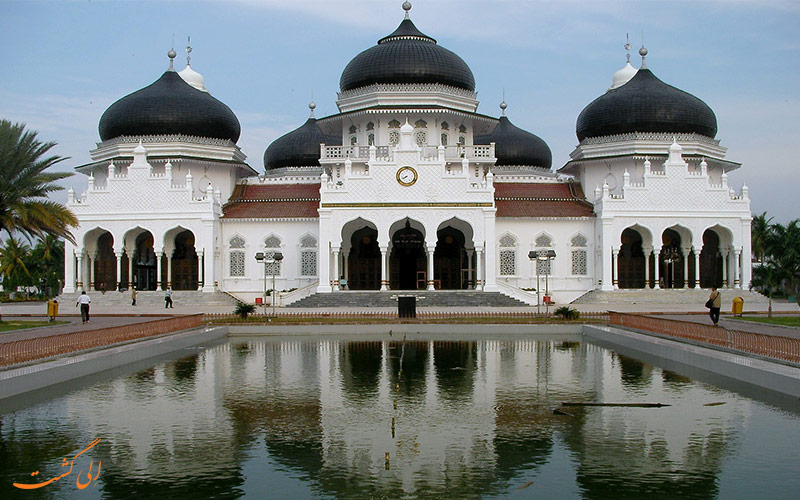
(307, 249)
(508, 243)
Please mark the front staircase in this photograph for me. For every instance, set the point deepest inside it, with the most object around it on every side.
(436, 298)
(667, 296)
(153, 298)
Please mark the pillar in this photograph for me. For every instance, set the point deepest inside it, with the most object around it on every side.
(657, 252)
(169, 269)
(199, 270)
(118, 255)
(615, 267)
(159, 284)
(79, 257)
(608, 279)
(69, 268)
(130, 268)
(90, 272)
(336, 251)
(324, 252)
(697, 268)
(685, 267)
(490, 264)
(737, 281)
(470, 278)
(430, 250)
(478, 282)
(384, 267)
(648, 251)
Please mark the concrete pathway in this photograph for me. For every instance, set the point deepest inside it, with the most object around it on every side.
(731, 323)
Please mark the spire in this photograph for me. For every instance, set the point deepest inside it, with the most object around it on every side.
(643, 53)
(171, 54)
(628, 47)
(311, 106)
(503, 107)
(189, 50)
(407, 7)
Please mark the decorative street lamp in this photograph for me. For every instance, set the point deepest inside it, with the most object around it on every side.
(276, 258)
(544, 255)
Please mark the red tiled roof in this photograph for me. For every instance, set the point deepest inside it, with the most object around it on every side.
(541, 200)
(267, 201)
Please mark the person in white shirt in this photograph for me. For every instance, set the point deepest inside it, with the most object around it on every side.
(84, 301)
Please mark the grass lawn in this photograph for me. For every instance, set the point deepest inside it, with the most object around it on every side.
(775, 320)
(8, 326)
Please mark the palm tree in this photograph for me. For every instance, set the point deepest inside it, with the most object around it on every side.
(24, 185)
(12, 262)
(759, 230)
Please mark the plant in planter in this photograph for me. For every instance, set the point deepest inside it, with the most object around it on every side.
(567, 312)
(243, 310)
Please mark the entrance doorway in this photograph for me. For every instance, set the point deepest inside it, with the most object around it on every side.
(407, 260)
(364, 260)
(449, 258)
(184, 262)
(631, 260)
(144, 263)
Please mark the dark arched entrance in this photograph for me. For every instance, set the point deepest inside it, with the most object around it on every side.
(364, 260)
(184, 262)
(631, 260)
(449, 258)
(105, 264)
(711, 272)
(144, 263)
(671, 260)
(407, 260)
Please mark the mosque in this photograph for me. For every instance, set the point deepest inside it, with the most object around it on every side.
(408, 187)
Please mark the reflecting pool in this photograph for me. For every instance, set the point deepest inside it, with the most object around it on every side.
(309, 418)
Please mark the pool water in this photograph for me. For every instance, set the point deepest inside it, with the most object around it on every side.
(309, 418)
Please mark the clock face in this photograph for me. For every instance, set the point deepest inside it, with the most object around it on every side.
(406, 176)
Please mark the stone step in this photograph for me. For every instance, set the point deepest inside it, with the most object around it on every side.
(438, 298)
(667, 296)
(150, 298)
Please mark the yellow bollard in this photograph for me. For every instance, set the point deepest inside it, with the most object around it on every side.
(52, 309)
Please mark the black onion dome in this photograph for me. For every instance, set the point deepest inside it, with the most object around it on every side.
(407, 56)
(298, 148)
(645, 104)
(169, 106)
(514, 146)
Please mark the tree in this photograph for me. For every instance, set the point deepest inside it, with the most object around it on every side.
(759, 231)
(47, 263)
(14, 265)
(25, 184)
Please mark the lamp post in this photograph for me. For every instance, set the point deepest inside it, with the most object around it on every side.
(538, 255)
(276, 257)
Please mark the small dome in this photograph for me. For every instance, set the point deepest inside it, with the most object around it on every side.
(645, 104)
(169, 106)
(193, 78)
(622, 76)
(407, 56)
(298, 148)
(514, 146)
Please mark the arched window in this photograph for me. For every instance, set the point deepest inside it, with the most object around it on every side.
(445, 126)
(272, 245)
(353, 129)
(394, 137)
(420, 124)
(236, 256)
(394, 124)
(462, 140)
(462, 129)
(353, 141)
(371, 139)
(544, 242)
(444, 139)
(579, 266)
(508, 255)
(308, 256)
(421, 137)
(370, 126)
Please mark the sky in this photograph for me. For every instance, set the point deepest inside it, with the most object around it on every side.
(63, 63)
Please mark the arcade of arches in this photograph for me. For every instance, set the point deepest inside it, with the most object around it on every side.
(411, 264)
(140, 265)
(676, 264)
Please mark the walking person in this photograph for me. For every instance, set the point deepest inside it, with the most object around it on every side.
(84, 301)
(168, 298)
(714, 304)
(133, 295)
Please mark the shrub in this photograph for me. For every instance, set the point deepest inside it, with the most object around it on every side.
(243, 309)
(567, 312)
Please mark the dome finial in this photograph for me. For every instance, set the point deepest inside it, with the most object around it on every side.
(171, 54)
(628, 46)
(643, 53)
(189, 50)
(503, 107)
(407, 7)
(312, 105)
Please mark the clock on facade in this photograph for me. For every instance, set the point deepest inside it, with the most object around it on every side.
(406, 176)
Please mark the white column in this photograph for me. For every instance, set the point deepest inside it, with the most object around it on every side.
(747, 257)
(697, 268)
(324, 253)
(159, 284)
(615, 267)
(90, 272)
(685, 267)
(130, 268)
(608, 279)
(470, 279)
(737, 282)
(384, 267)
(478, 281)
(79, 257)
(69, 267)
(169, 269)
(430, 250)
(657, 252)
(728, 268)
(199, 270)
(647, 252)
(336, 251)
(490, 268)
(118, 255)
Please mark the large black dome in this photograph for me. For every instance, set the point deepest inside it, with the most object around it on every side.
(645, 104)
(169, 106)
(407, 56)
(298, 148)
(514, 146)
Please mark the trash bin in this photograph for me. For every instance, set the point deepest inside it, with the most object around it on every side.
(52, 309)
(738, 305)
(407, 306)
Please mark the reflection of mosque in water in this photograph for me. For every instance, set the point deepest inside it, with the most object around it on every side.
(469, 417)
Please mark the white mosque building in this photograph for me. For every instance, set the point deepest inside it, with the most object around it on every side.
(408, 187)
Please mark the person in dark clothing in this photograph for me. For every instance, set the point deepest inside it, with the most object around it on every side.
(716, 303)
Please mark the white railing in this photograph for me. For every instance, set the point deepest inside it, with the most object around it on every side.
(356, 152)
